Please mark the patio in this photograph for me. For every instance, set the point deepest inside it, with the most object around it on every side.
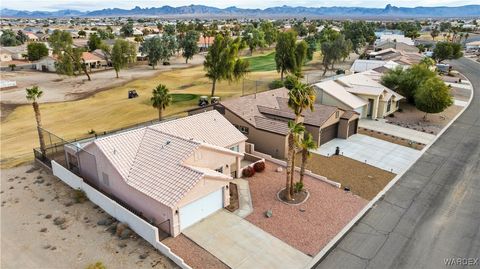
(307, 227)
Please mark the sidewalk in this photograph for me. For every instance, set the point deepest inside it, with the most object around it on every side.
(244, 198)
(409, 134)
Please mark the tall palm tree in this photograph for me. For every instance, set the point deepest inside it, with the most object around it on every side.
(306, 145)
(294, 130)
(161, 98)
(33, 94)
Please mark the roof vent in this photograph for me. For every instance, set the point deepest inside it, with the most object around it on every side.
(114, 151)
(168, 142)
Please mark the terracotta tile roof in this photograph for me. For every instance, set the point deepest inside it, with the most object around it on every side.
(208, 127)
(90, 57)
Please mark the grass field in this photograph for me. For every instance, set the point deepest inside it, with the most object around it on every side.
(262, 63)
(112, 109)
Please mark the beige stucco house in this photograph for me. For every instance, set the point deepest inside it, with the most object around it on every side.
(264, 118)
(173, 173)
(361, 92)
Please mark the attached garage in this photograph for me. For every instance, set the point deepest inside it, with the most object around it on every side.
(352, 127)
(200, 209)
(328, 133)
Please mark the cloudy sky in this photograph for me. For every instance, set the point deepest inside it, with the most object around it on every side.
(85, 5)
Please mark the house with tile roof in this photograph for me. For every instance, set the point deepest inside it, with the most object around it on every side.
(173, 173)
(264, 118)
(361, 92)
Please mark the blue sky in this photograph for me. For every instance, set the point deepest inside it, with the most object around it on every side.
(127, 4)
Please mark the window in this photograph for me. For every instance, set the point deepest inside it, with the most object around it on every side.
(242, 129)
(389, 104)
(337, 114)
(235, 148)
(105, 179)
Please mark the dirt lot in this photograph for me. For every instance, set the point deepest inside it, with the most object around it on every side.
(31, 201)
(363, 180)
(309, 226)
(391, 138)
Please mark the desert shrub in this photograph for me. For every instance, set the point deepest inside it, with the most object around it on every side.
(259, 166)
(275, 84)
(298, 187)
(248, 171)
(91, 132)
(79, 196)
(97, 265)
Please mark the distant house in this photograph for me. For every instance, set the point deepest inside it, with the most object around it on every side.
(17, 52)
(472, 46)
(46, 64)
(204, 43)
(393, 36)
(387, 44)
(173, 173)
(5, 56)
(364, 65)
(360, 92)
(264, 118)
(398, 56)
(32, 37)
(93, 61)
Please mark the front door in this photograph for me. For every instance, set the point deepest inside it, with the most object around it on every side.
(370, 108)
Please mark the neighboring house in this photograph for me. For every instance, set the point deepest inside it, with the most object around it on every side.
(472, 46)
(364, 65)
(5, 56)
(16, 52)
(32, 37)
(398, 56)
(264, 118)
(384, 55)
(393, 36)
(360, 92)
(387, 44)
(93, 61)
(46, 64)
(204, 43)
(173, 174)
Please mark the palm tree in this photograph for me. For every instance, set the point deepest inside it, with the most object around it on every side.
(161, 98)
(294, 130)
(33, 94)
(306, 145)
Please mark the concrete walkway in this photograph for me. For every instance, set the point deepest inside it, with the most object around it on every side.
(395, 130)
(240, 244)
(379, 153)
(244, 198)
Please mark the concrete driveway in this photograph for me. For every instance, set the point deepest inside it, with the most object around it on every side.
(379, 153)
(240, 244)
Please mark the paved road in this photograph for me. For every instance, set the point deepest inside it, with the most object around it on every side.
(433, 211)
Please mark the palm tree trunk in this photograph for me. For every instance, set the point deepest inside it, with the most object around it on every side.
(41, 139)
(304, 163)
(160, 114)
(288, 195)
(214, 82)
(84, 68)
(292, 173)
(281, 75)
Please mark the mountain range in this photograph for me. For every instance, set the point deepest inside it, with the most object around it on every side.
(199, 11)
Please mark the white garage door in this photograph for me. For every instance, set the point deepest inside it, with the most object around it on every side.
(201, 208)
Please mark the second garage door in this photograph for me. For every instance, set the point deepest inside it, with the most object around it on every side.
(200, 209)
(352, 127)
(328, 133)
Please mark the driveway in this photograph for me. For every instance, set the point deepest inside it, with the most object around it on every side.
(395, 130)
(240, 244)
(379, 153)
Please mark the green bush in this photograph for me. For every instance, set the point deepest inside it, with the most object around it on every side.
(298, 187)
(275, 84)
(79, 196)
(97, 265)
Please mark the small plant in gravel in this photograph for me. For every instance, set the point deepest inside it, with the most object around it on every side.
(259, 166)
(298, 187)
(97, 265)
(79, 196)
(248, 171)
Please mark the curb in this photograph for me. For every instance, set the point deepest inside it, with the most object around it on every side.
(326, 250)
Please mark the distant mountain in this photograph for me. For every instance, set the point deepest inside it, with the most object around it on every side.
(282, 11)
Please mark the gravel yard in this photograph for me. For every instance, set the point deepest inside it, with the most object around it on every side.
(42, 225)
(363, 180)
(307, 227)
(193, 254)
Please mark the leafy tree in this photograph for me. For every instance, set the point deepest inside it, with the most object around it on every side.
(21, 37)
(170, 45)
(169, 29)
(445, 26)
(410, 29)
(12, 67)
(222, 61)
(434, 33)
(359, 33)
(335, 50)
(253, 38)
(9, 39)
(127, 30)
(189, 45)
(123, 53)
(285, 59)
(152, 48)
(433, 96)
(301, 49)
(69, 59)
(300, 28)
(36, 51)
(311, 46)
(327, 35)
(270, 32)
(161, 99)
(82, 33)
(94, 42)
(447, 51)
(33, 94)
(105, 34)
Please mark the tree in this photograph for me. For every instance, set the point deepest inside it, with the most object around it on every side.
(301, 49)
(169, 29)
(285, 59)
(169, 43)
(311, 46)
(359, 33)
(300, 28)
(160, 99)
(9, 39)
(270, 32)
(21, 36)
(253, 38)
(433, 96)
(335, 50)
(222, 61)
(306, 145)
(69, 59)
(36, 50)
(105, 34)
(152, 48)
(123, 53)
(189, 45)
(127, 30)
(33, 94)
(12, 67)
(294, 130)
(94, 42)
(82, 33)
(447, 51)
(434, 33)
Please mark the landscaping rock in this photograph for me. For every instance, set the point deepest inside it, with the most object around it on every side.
(43, 230)
(279, 169)
(122, 245)
(125, 234)
(48, 216)
(268, 213)
(47, 246)
(102, 222)
(143, 256)
(68, 204)
(59, 220)
(41, 200)
(53, 248)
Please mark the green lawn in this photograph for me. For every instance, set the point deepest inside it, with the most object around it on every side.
(262, 63)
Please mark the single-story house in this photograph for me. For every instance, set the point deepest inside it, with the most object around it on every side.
(5, 56)
(173, 173)
(32, 37)
(393, 36)
(361, 92)
(472, 46)
(386, 44)
(363, 65)
(16, 52)
(46, 64)
(264, 118)
(204, 43)
(398, 56)
(93, 61)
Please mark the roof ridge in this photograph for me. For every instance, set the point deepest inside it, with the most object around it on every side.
(135, 157)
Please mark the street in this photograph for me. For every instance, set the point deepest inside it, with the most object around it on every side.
(431, 216)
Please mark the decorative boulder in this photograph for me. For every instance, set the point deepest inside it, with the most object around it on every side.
(279, 169)
(268, 213)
